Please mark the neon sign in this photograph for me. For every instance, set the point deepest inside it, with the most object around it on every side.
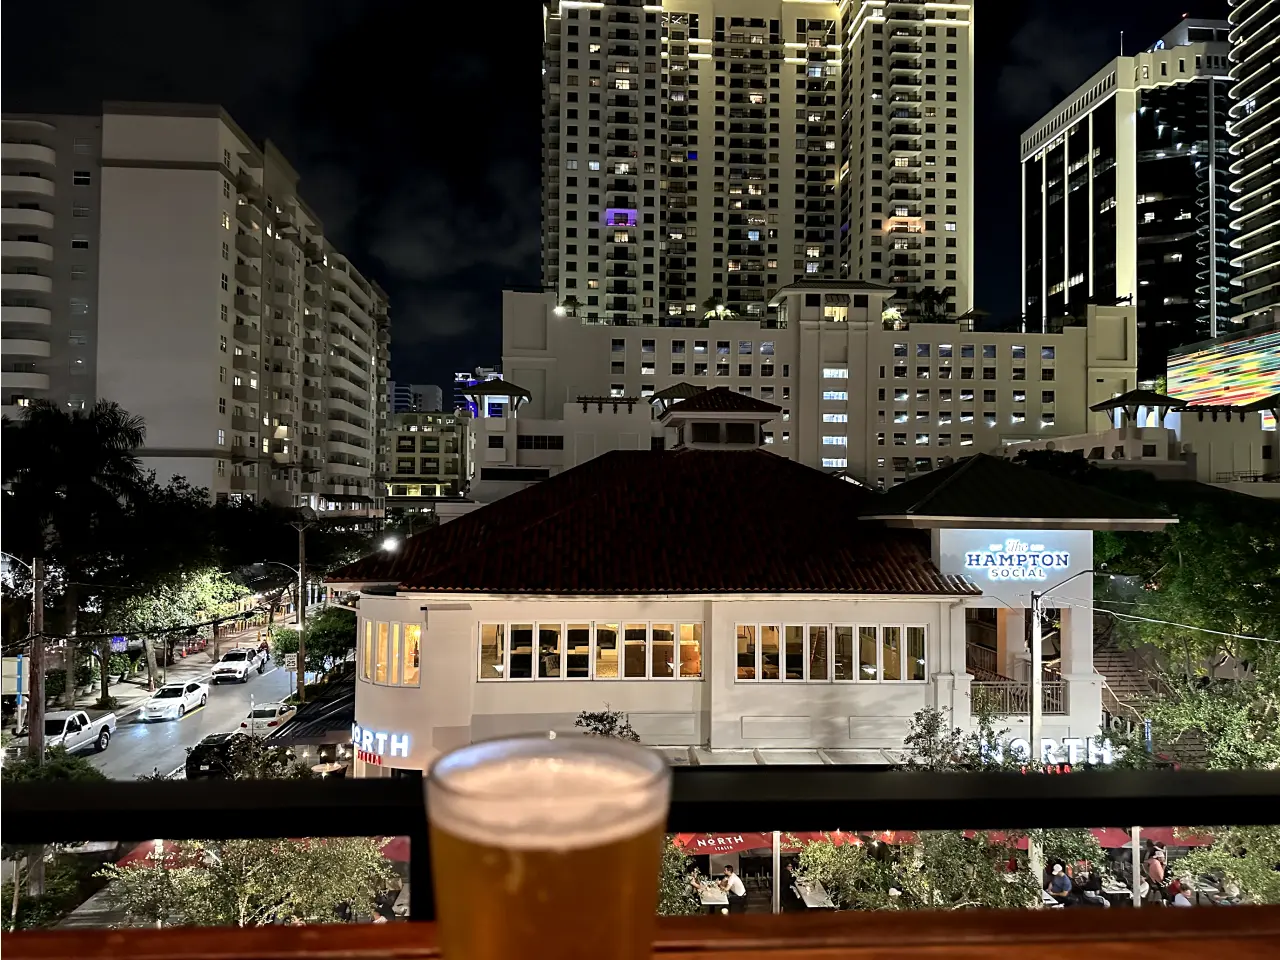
(1017, 560)
(1072, 750)
(378, 743)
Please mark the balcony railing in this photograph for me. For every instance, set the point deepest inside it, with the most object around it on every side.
(1013, 698)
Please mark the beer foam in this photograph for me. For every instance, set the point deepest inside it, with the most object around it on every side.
(560, 801)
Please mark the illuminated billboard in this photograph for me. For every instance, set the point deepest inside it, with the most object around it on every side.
(1228, 374)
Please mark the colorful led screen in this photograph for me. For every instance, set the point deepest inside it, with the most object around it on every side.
(1232, 373)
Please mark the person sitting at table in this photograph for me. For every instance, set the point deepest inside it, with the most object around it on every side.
(1060, 885)
(1089, 886)
(734, 888)
(1182, 893)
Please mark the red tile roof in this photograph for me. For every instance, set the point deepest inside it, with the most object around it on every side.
(722, 400)
(683, 521)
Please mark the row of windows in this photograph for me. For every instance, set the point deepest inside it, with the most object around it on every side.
(590, 651)
(700, 347)
(1018, 351)
(901, 372)
(831, 653)
(391, 654)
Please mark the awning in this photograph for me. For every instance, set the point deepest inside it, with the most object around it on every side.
(704, 843)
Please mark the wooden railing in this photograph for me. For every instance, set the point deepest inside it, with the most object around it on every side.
(1013, 697)
(1243, 933)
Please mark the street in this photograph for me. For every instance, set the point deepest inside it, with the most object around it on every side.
(139, 748)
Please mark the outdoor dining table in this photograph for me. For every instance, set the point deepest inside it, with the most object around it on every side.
(814, 895)
(712, 896)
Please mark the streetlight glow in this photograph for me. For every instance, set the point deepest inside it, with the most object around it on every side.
(391, 543)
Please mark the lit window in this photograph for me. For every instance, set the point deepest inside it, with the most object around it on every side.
(835, 373)
(835, 395)
(829, 441)
(835, 418)
(835, 462)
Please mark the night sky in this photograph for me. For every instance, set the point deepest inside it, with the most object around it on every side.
(415, 126)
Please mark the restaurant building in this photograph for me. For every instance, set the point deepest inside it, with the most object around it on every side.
(738, 606)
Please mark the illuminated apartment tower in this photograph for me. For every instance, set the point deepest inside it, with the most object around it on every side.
(1255, 119)
(906, 174)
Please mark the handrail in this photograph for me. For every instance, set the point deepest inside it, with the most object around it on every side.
(704, 799)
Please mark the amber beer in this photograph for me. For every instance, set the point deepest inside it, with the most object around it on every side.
(547, 846)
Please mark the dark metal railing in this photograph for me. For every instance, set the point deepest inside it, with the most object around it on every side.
(704, 800)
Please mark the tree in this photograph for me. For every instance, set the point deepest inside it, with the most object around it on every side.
(930, 302)
(856, 875)
(252, 883)
(1246, 856)
(714, 308)
(570, 305)
(675, 896)
(607, 723)
(251, 758)
(331, 639)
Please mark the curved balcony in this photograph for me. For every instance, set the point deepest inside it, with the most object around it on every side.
(26, 249)
(14, 183)
(38, 316)
(18, 217)
(30, 152)
(248, 274)
(27, 283)
(20, 347)
(25, 381)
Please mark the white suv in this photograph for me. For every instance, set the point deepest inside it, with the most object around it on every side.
(236, 664)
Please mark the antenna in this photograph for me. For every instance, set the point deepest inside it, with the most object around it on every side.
(1122, 43)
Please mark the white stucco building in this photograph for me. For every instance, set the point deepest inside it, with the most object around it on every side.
(881, 400)
(739, 607)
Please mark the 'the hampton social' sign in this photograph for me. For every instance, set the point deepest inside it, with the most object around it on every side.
(1017, 560)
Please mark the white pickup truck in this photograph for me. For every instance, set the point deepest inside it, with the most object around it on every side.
(75, 730)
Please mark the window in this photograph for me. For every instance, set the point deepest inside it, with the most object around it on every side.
(835, 463)
(222, 438)
(831, 653)
(829, 441)
(381, 653)
(835, 373)
(586, 651)
(81, 178)
(79, 243)
(411, 674)
(835, 395)
(835, 418)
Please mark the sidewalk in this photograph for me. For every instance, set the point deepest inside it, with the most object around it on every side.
(131, 694)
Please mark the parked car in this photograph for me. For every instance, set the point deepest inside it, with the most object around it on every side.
(173, 700)
(209, 758)
(236, 664)
(265, 717)
(74, 730)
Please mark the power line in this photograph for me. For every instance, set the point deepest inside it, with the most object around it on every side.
(1131, 617)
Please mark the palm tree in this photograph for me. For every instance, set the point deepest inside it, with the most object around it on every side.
(715, 309)
(68, 475)
(931, 303)
(569, 305)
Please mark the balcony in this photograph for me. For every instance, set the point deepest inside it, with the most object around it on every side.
(250, 245)
(19, 217)
(25, 381)
(246, 333)
(248, 274)
(242, 361)
(26, 249)
(245, 392)
(27, 283)
(248, 305)
(37, 316)
(20, 347)
(29, 153)
(243, 423)
(1013, 698)
(18, 183)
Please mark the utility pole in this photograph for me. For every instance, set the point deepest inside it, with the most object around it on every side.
(302, 613)
(35, 712)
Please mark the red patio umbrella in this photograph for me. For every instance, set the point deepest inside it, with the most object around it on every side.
(396, 849)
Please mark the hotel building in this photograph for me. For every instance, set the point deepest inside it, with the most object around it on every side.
(719, 150)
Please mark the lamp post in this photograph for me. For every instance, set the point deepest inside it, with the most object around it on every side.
(306, 517)
(35, 695)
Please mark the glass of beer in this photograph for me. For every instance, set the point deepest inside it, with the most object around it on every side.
(547, 846)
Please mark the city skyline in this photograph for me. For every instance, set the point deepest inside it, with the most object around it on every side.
(443, 230)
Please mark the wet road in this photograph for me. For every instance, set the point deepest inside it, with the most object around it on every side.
(139, 748)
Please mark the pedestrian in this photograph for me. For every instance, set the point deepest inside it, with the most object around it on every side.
(1155, 868)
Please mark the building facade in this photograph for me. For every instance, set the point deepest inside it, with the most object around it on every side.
(463, 379)
(1124, 195)
(430, 459)
(710, 642)
(879, 398)
(51, 206)
(209, 302)
(414, 397)
(702, 154)
(1255, 110)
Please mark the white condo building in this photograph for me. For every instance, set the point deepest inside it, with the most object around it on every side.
(878, 399)
(700, 149)
(203, 296)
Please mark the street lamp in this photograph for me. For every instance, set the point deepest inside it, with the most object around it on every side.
(390, 544)
(306, 517)
(1037, 662)
(35, 696)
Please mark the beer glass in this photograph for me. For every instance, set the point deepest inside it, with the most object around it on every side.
(547, 846)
